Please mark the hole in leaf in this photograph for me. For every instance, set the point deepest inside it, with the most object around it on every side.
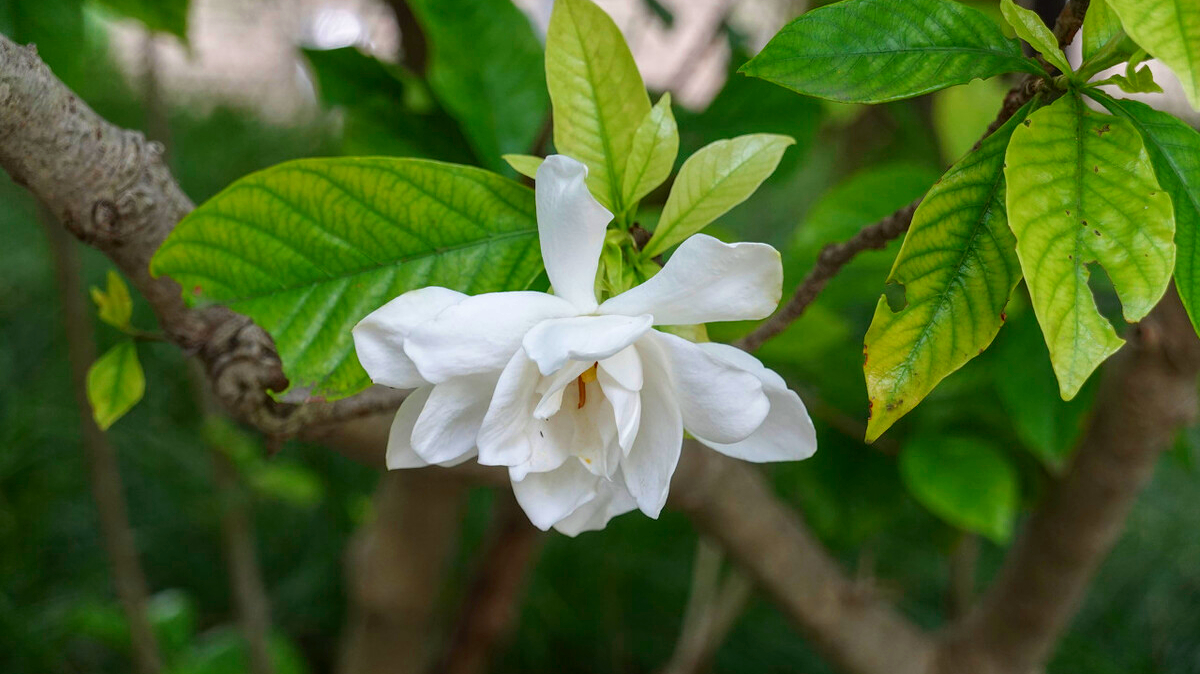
(894, 294)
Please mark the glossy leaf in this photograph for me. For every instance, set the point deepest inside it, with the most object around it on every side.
(309, 247)
(872, 51)
(1174, 148)
(597, 95)
(718, 177)
(1029, 27)
(114, 305)
(1100, 25)
(655, 144)
(525, 164)
(1170, 31)
(485, 66)
(1081, 189)
(956, 270)
(964, 481)
(115, 383)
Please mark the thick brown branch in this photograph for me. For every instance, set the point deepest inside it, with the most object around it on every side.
(1148, 393)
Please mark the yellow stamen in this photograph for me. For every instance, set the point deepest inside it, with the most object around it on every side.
(588, 376)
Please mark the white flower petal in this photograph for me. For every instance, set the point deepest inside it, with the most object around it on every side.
(719, 401)
(787, 434)
(503, 438)
(612, 499)
(549, 497)
(625, 367)
(571, 226)
(707, 281)
(655, 452)
(553, 342)
(480, 333)
(626, 405)
(379, 338)
(450, 421)
(553, 387)
(400, 452)
(595, 441)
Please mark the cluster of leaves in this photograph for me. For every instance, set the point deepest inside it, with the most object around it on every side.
(1055, 189)
(308, 248)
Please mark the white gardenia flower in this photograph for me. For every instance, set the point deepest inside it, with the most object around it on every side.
(585, 403)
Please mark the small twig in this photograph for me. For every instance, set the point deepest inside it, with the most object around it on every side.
(713, 607)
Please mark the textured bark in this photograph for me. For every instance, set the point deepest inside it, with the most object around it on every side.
(395, 571)
(103, 472)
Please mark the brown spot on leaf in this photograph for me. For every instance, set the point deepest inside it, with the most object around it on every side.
(1100, 131)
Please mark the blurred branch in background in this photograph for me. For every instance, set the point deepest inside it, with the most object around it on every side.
(103, 471)
(714, 605)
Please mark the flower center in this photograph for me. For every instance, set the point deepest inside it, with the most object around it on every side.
(588, 376)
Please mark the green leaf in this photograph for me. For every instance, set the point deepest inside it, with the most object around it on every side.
(387, 111)
(115, 383)
(961, 115)
(485, 66)
(308, 248)
(1100, 25)
(596, 93)
(956, 271)
(655, 144)
(1081, 189)
(1170, 31)
(114, 304)
(168, 16)
(1174, 149)
(525, 164)
(292, 483)
(1029, 27)
(964, 481)
(1141, 81)
(872, 51)
(718, 177)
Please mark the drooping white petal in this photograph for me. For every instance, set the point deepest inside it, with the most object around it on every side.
(626, 405)
(549, 497)
(447, 427)
(503, 438)
(480, 333)
(625, 367)
(571, 226)
(707, 281)
(787, 434)
(612, 499)
(553, 342)
(655, 452)
(379, 338)
(719, 401)
(400, 452)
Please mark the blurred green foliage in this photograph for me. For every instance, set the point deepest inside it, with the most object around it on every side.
(604, 602)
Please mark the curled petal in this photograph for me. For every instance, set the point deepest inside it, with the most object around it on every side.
(787, 434)
(571, 226)
(625, 368)
(504, 434)
(707, 281)
(719, 401)
(549, 497)
(612, 499)
(449, 423)
(480, 333)
(655, 452)
(626, 406)
(400, 452)
(379, 338)
(552, 343)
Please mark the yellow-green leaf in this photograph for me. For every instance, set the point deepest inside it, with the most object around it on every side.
(1081, 189)
(1170, 31)
(115, 383)
(655, 144)
(957, 268)
(114, 304)
(308, 248)
(596, 94)
(1100, 25)
(718, 177)
(525, 164)
(1029, 27)
(964, 481)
